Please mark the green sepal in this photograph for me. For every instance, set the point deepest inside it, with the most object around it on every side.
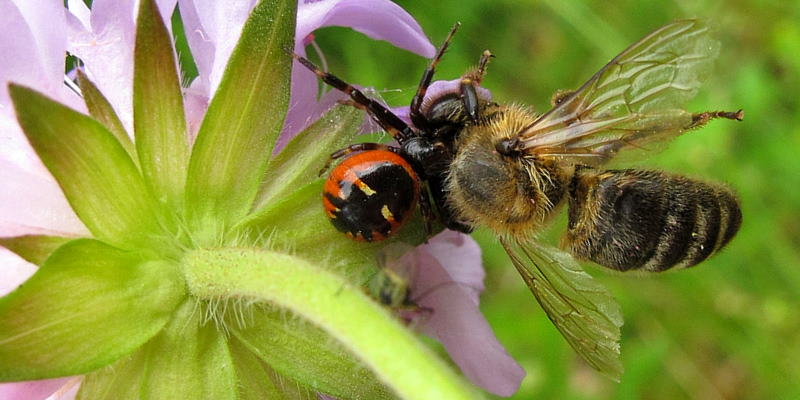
(158, 117)
(122, 380)
(97, 176)
(305, 353)
(344, 312)
(33, 248)
(102, 111)
(87, 306)
(257, 381)
(302, 159)
(243, 120)
(188, 359)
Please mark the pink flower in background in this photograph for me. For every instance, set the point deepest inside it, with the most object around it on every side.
(37, 36)
(446, 280)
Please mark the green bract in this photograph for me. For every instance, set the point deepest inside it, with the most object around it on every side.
(211, 272)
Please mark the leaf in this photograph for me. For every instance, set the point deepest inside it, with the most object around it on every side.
(87, 306)
(305, 353)
(102, 111)
(158, 116)
(33, 248)
(188, 359)
(344, 312)
(301, 160)
(243, 120)
(258, 381)
(98, 178)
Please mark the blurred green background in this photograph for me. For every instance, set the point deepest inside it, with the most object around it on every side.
(728, 329)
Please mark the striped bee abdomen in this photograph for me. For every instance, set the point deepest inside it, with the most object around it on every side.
(648, 220)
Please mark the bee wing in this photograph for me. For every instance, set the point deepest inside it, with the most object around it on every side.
(635, 99)
(583, 310)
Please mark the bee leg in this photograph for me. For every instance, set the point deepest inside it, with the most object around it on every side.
(417, 118)
(476, 75)
(354, 148)
(559, 96)
(390, 122)
(701, 119)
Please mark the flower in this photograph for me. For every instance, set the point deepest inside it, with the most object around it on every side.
(171, 256)
(446, 280)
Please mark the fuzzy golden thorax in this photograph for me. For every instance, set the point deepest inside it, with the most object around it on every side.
(511, 195)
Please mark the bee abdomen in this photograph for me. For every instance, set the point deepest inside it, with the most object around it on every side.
(648, 220)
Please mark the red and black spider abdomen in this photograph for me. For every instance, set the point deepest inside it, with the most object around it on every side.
(370, 194)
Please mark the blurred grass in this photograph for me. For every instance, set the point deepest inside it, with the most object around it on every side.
(729, 329)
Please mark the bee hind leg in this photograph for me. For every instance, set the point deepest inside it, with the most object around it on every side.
(701, 119)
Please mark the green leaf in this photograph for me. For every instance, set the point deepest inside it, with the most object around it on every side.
(347, 314)
(301, 160)
(190, 359)
(305, 353)
(98, 178)
(33, 248)
(243, 120)
(87, 306)
(257, 381)
(158, 117)
(121, 380)
(101, 110)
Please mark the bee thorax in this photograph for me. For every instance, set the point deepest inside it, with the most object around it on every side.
(509, 195)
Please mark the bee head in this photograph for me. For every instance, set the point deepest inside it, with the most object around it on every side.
(443, 101)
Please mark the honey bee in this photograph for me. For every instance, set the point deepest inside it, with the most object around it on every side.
(481, 163)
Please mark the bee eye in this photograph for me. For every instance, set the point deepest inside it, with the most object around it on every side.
(507, 147)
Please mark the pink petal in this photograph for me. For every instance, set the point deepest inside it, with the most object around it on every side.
(212, 30)
(107, 50)
(69, 391)
(460, 256)
(78, 10)
(30, 199)
(304, 108)
(449, 278)
(21, 61)
(47, 23)
(14, 271)
(195, 104)
(31, 390)
(378, 19)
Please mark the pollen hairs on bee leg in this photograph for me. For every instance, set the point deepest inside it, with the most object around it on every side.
(352, 149)
(701, 119)
(478, 73)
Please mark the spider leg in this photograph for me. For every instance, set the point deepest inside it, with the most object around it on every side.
(355, 148)
(382, 115)
(414, 112)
